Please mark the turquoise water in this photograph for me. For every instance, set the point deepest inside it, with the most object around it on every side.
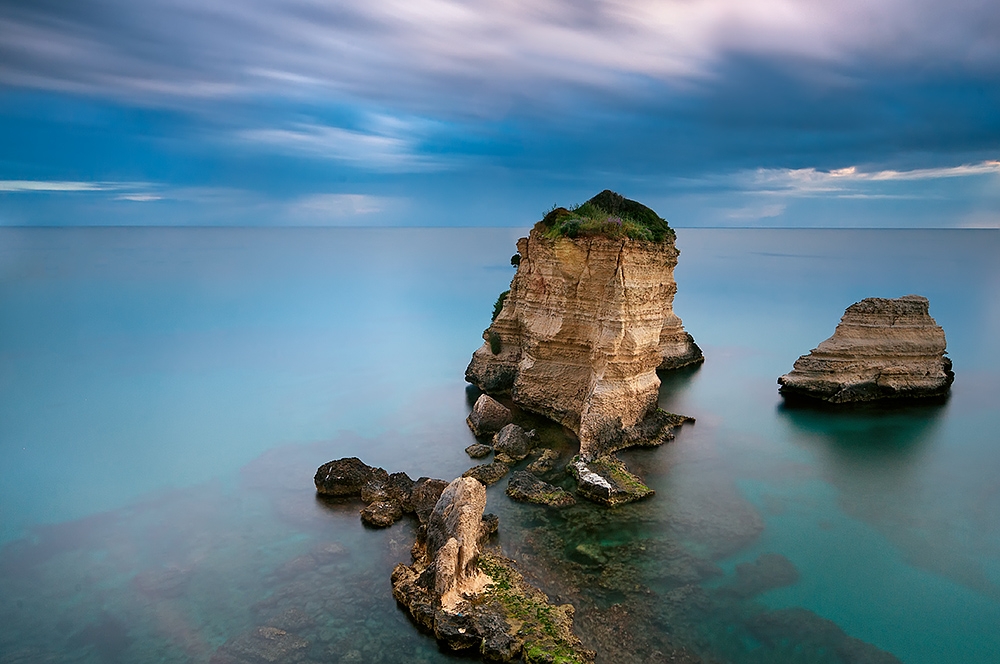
(166, 395)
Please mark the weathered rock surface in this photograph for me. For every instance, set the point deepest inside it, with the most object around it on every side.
(527, 488)
(478, 450)
(388, 496)
(488, 416)
(473, 600)
(882, 349)
(345, 477)
(488, 473)
(607, 480)
(545, 463)
(586, 324)
(513, 441)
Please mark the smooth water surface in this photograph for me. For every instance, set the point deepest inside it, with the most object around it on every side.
(166, 395)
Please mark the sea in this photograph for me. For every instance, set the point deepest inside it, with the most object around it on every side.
(166, 395)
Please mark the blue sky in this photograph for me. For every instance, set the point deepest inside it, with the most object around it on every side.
(434, 112)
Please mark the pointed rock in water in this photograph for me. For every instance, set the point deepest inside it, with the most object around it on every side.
(488, 473)
(346, 477)
(882, 349)
(527, 488)
(513, 441)
(488, 416)
(588, 321)
(474, 600)
(607, 480)
(478, 450)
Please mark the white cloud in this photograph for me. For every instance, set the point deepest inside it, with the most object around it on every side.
(474, 54)
(809, 181)
(374, 151)
(28, 186)
(339, 209)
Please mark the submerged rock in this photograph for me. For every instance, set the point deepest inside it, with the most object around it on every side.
(588, 321)
(882, 349)
(478, 450)
(544, 464)
(527, 488)
(769, 571)
(488, 416)
(263, 645)
(473, 600)
(488, 473)
(607, 480)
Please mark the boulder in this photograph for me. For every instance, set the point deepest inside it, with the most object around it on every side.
(513, 441)
(382, 513)
(424, 496)
(488, 416)
(346, 477)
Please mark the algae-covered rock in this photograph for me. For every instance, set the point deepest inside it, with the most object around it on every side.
(525, 487)
(488, 473)
(544, 464)
(607, 480)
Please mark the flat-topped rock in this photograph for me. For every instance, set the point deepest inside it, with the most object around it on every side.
(525, 487)
(882, 349)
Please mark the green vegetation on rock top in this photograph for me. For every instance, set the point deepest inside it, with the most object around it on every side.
(608, 214)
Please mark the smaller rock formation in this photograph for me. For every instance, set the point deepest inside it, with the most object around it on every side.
(882, 349)
(478, 450)
(488, 416)
(544, 464)
(606, 480)
(513, 441)
(474, 600)
(527, 488)
(388, 496)
(488, 473)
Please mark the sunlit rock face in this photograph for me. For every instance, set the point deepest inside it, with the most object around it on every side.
(882, 349)
(580, 336)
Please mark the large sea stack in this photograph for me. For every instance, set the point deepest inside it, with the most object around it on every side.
(882, 349)
(587, 322)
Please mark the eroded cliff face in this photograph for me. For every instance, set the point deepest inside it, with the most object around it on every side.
(586, 324)
(882, 349)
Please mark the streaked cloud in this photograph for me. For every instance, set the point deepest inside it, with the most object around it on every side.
(375, 151)
(37, 186)
(810, 181)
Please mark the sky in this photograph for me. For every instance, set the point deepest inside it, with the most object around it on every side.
(721, 113)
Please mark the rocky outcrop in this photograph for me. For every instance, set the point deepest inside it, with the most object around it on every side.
(388, 496)
(588, 321)
(513, 441)
(488, 473)
(882, 349)
(473, 600)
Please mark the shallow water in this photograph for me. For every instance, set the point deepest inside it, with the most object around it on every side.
(166, 395)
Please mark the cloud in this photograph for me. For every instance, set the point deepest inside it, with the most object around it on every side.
(477, 58)
(374, 151)
(810, 181)
(40, 186)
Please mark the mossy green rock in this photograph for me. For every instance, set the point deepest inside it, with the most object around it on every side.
(607, 480)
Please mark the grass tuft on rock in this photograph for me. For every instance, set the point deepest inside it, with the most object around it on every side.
(607, 214)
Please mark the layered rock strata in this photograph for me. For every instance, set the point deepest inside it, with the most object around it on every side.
(587, 323)
(473, 600)
(882, 349)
